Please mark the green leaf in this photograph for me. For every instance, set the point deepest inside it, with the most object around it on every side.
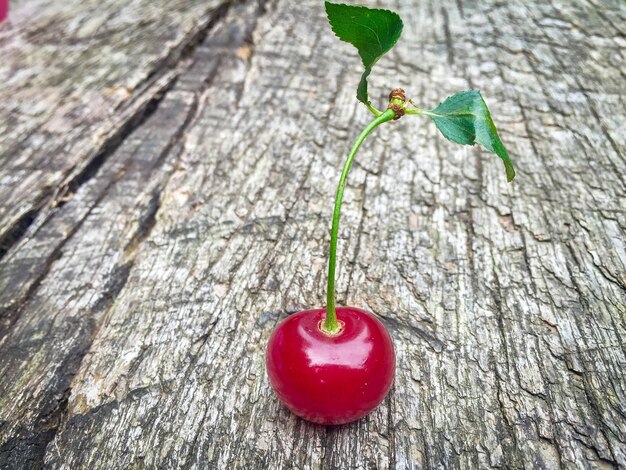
(373, 32)
(361, 91)
(465, 119)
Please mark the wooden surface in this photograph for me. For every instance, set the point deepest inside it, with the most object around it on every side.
(167, 171)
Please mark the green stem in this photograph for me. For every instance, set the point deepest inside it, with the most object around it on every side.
(331, 325)
(373, 110)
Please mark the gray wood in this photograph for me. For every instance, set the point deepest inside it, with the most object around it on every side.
(166, 180)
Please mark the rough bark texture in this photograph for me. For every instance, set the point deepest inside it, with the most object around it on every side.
(166, 180)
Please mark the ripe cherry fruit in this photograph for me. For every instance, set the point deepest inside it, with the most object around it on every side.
(4, 10)
(335, 365)
(331, 378)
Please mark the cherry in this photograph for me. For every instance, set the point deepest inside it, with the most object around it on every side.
(335, 365)
(4, 10)
(331, 378)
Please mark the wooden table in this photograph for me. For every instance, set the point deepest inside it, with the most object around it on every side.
(166, 180)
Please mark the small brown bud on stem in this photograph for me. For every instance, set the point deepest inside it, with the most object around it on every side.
(397, 94)
(397, 101)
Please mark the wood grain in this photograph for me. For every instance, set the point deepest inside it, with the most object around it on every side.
(166, 180)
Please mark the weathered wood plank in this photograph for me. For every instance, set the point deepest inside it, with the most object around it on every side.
(134, 315)
(74, 77)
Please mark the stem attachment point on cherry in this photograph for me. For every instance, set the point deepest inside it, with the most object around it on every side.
(336, 332)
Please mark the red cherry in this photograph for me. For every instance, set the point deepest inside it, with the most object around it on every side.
(4, 9)
(331, 379)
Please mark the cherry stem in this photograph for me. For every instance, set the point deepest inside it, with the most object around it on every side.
(331, 325)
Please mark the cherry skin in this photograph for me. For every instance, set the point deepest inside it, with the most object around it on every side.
(331, 379)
